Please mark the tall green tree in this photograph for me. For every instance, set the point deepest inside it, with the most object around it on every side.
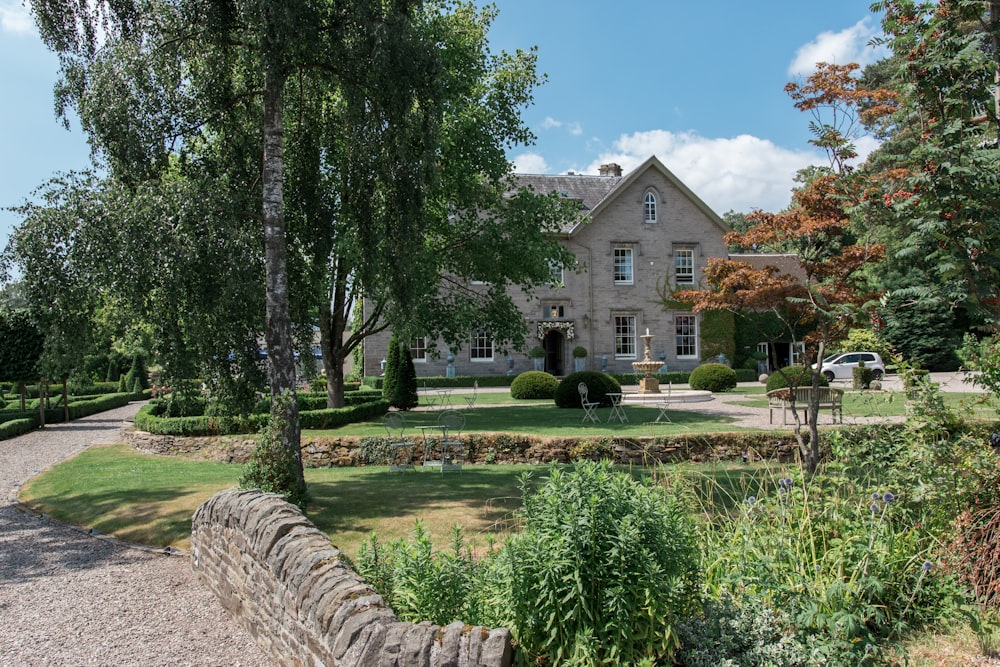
(942, 164)
(366, 225)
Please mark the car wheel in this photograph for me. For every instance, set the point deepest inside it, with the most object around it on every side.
(877, 374)
(828, 375)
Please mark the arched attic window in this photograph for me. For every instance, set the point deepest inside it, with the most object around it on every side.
(649, 207)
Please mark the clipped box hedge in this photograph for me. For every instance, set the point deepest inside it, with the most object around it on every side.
(149, 419)
(28, 421)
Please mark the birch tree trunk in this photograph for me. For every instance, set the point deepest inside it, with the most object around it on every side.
(278, 325)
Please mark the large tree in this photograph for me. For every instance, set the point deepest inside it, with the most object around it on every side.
(828, 286)
(940, 165)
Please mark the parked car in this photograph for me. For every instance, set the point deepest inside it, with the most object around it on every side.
(841, 366)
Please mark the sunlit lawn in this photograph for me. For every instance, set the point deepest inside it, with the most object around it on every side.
(150, 499)
(545, 419)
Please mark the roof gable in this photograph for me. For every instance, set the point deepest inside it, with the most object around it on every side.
(595, 193)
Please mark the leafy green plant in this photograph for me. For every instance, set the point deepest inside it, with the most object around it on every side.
(862, 376)
(421, 584)
(746, 633)
(272, 465)
(534, 385)
(601, 571)
(579, 352)
(713, 377)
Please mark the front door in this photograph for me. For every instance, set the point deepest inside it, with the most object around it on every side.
(554, 344)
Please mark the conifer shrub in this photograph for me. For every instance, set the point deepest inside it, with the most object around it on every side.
(391, 377)
(534, 385)
(405, 395)
(598, 386)
(713, 377)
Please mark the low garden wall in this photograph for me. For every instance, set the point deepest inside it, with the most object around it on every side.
(491, 448)
(283, 580)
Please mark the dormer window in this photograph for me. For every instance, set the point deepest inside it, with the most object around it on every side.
(649, 207)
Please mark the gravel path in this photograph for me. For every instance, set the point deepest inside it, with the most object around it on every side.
(67, 598)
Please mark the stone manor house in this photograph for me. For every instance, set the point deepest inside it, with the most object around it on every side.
(638, 231)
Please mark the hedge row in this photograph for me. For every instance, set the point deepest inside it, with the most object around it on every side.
(148, 419)
(670, 377)
(457, 381)
(17, 423)
(32, 390)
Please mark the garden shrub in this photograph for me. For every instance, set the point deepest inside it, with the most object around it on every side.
(747, 633)
(793, 376)
(713, 377)
(273, 467)
(423, 584)
(598, 385)
(600, 573)
(533, 385)
(862, 377)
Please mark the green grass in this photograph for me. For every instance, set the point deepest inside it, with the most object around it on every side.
(545, 419)
(892, 404)
(150, 499)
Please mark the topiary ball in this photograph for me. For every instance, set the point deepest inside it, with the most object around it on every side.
(793, 376)
(598, 386)
(713, 378)
(533, 384)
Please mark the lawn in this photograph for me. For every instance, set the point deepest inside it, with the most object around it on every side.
(150, 499)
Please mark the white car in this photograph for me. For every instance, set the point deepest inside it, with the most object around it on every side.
(841, 366)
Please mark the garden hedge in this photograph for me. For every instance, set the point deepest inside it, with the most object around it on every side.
(599, 385)
(17, 423)
(534, 385)
(149, 419)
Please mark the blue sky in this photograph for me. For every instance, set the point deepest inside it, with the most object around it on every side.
(698, 84)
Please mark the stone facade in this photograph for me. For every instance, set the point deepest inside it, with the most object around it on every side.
(589, 308)
(283, 580)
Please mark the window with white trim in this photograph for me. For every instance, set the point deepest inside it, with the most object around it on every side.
(649, 207)
(686, 332)
(683, 266)
(481, 348)
(623, 266)
(624, 336)
(557, 278)
(418, 349)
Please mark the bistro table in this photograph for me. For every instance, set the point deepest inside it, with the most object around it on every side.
(423, 430)
(444, 399)
(617, 410)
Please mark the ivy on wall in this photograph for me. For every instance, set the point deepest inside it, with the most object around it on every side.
(718, 329)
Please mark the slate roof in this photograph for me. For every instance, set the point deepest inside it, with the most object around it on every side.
(588, 190)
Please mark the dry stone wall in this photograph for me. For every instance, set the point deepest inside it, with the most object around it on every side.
(283, 580)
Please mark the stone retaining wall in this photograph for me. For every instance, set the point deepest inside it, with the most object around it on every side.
(283, 580)
(501, 448)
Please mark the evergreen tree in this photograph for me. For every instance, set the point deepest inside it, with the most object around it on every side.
(391, 377)
(405, 396)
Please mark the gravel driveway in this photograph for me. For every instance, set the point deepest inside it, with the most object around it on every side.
(67, 598)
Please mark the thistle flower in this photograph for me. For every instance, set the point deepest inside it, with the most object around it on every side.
(750, 501)
(888, 497)
(927, 566)
(786, 482)
(874, 507)
(876, 496)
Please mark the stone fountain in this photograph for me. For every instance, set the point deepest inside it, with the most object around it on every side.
(648, 384)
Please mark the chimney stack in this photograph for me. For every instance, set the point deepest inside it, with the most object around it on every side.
(611, 169)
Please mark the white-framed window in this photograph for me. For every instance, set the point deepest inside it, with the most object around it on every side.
(557, 278)
(624, 336)
(553, 311)
(683, 266)
(418, 349)
(623, 266)
(686, 336)
(649, 207)
(481, 348)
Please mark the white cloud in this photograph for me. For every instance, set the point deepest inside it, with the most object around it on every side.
(15, 18)
(574, 128)
(530, 163)
(847, 46)
(739, 173)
